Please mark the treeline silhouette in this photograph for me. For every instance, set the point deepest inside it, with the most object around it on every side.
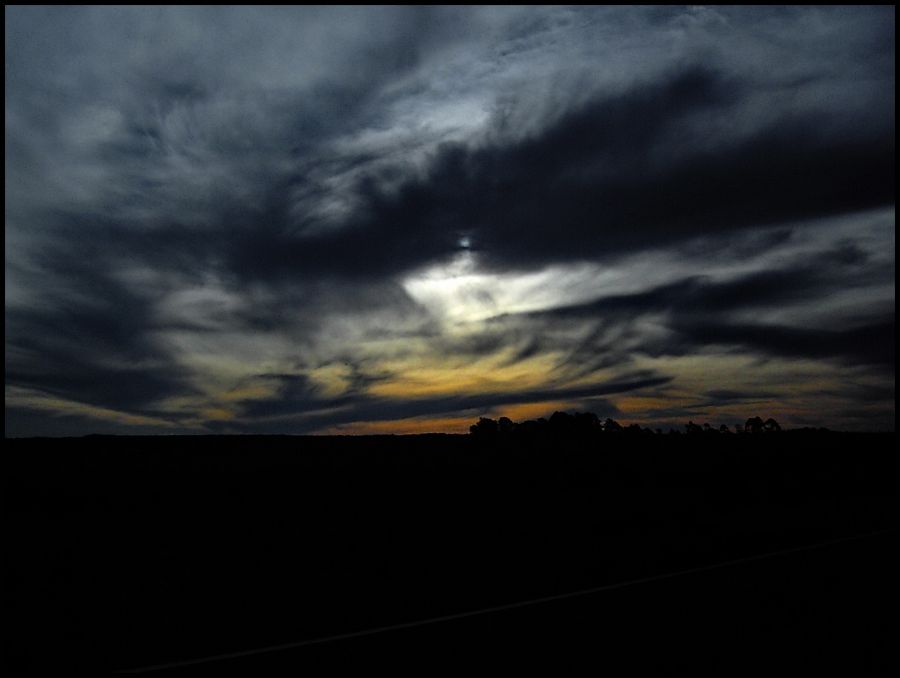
(581, 424)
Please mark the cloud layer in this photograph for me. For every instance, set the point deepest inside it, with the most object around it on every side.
(323, 219)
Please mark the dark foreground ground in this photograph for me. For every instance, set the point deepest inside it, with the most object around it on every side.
(122, 553)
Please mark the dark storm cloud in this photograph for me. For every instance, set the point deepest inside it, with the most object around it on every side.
(864, 393)
(603, 181)
(294, 394)
(44, 423)
(871, 344)
(725, 395)
(611, 178)
(90, 340)
(615, 174)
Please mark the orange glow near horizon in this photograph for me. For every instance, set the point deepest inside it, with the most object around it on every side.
(401, 427)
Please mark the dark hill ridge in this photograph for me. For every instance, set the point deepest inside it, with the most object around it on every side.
(130, 551)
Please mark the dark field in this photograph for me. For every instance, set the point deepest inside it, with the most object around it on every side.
(130, 552)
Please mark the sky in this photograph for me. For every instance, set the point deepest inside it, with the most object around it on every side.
(296, 220)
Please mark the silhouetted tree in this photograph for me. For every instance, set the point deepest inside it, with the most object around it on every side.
(771, 426)
(587, 422)
(754, 425)
(693, 428)
(530, 428)
(561, 423)
(484, 428)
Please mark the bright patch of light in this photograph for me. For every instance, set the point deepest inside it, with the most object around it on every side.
(458, 294)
